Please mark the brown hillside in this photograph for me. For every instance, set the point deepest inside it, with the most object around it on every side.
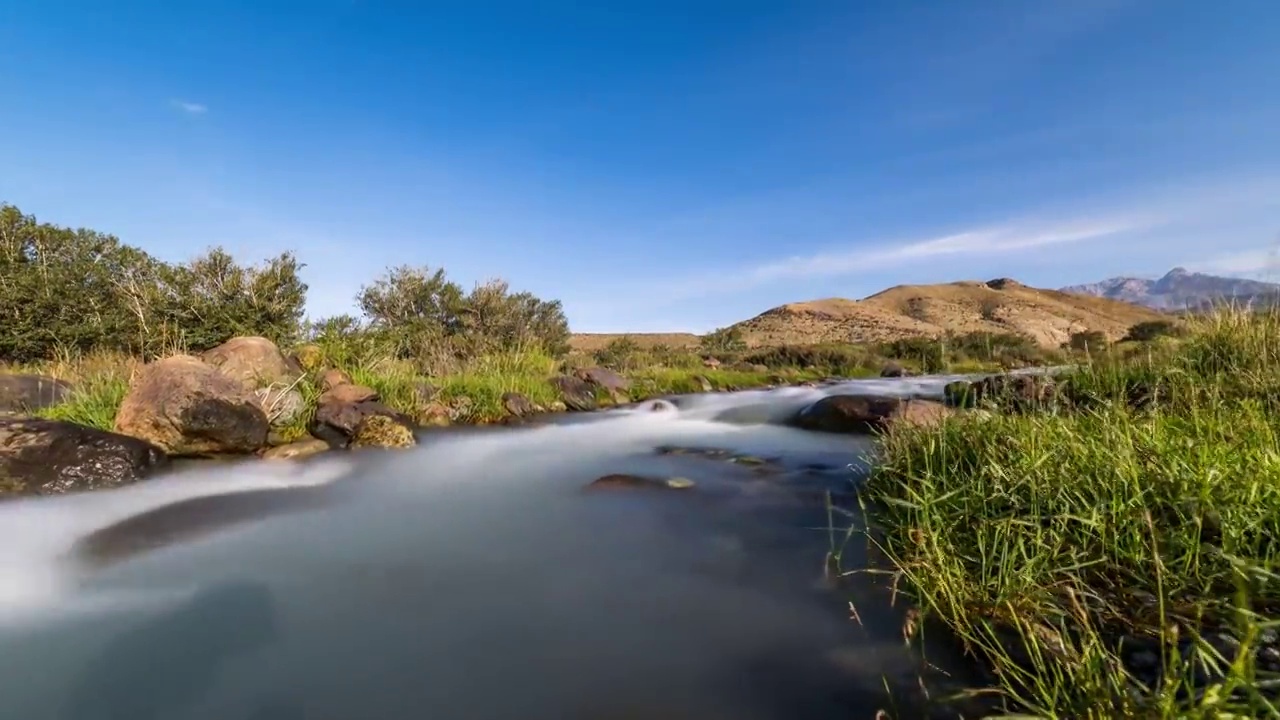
(590, 342)
(999, 306)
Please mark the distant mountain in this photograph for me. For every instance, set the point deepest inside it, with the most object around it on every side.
(1181, 290)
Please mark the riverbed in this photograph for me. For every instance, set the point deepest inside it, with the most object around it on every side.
(471, 577)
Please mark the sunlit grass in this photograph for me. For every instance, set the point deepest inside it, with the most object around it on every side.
(1145, 507)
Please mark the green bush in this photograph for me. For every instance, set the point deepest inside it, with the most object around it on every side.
(79, 291)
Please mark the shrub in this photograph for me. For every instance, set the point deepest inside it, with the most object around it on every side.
(1087, 340)
(723, 340)
(78, 291)
(1152, 329)
(428, 318)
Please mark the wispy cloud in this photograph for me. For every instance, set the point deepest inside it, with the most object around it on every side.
(1246, 263)
(190, 108)
(1010, 237)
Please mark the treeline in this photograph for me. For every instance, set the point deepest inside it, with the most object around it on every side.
(67, 291)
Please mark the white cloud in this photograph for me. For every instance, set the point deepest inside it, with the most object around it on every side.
(190, 108)
(1249, 262)
(1012, 237)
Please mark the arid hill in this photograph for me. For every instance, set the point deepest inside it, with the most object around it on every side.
(590, 342)
(999, 306)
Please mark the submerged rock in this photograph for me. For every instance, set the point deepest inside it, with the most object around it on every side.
(50, 457)
(190, 520)
(868, 413)
(297, 450)
(623, 481)
(28, 393)
(188, 407)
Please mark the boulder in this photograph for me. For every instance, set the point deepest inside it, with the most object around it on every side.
(332, 378)
(704, 385)
(49, 457)
(617, 386)
(347, 393)
(297, 450)
(188, 407)
(282, 405)
(28, 393)
(309, 357)
(1012, 392)
(867, 413)
(894, 370)
(338, 423)
(383, 431)
(576, 393)
(604, 378)
(255, 361)
(710, 362)
(518, 405)
(435, 414)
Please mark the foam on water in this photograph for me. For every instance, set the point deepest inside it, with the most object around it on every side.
(469, 577)
(38, 532)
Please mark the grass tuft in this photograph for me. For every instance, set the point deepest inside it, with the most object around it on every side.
(1108, 558)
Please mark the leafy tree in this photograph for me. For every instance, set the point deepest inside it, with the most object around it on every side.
(723, 340)
(1088, 340)
(80, 290)
(1151, 329)
(430, 316)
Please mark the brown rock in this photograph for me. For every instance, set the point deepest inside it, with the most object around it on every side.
(28, 393)
(255, 361)
(603, 378)
(518, 405)
(576, 393)
(1012, 392)
(332, 378)
(188, 407)
(383, 431)
(337, 422)
(297, 450)
(347, 393)
(894, 370)
(50, 457)
(435, 414)
(866, 413)
(710, 362)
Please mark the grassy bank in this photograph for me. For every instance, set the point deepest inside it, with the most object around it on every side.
(474, 387)
(1112, 554)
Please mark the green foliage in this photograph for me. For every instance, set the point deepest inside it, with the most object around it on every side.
(64, 290)
(723, 340)
(429, 318)
(930, 353)
(1088, 341)
(620, 354)
(1152, 329)
(1151, 513)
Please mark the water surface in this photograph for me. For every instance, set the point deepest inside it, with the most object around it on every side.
(468, 578)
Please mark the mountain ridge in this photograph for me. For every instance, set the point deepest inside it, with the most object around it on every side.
(1180, 289)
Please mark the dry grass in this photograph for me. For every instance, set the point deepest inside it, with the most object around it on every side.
(591, 342)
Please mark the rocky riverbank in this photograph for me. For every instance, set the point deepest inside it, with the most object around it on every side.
(248, 398)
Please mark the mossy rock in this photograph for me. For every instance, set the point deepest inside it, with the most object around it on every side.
(380, 431)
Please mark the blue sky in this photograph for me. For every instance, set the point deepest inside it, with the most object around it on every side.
(657, 165)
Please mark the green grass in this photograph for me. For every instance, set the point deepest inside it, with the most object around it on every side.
(1146, 506)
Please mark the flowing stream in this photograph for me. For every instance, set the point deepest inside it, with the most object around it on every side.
(471, 577)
